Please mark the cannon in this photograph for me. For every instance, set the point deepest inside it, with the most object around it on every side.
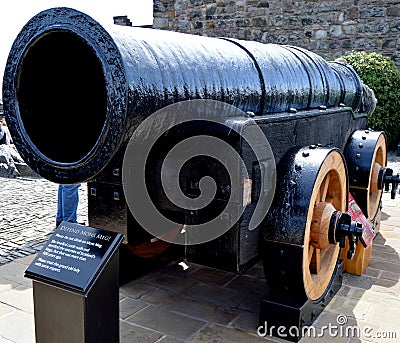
(75, 93)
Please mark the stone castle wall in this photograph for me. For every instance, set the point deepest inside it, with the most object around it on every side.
(329, 28)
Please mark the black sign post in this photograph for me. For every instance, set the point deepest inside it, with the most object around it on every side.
(75, 286)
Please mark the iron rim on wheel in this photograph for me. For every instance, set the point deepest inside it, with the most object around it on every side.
(302, 224)
(365, 155)
(329, 195)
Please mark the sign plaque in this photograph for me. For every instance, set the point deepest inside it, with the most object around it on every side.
(73, 256)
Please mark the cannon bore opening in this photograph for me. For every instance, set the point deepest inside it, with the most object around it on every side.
(61, 93)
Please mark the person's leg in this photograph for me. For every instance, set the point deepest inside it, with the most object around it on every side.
(60, 212)
(70, 202)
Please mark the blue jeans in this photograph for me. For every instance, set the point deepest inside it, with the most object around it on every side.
(68, 199)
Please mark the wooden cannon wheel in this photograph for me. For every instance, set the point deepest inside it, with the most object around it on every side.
(329, 195)
(365, 155)
(312, 186)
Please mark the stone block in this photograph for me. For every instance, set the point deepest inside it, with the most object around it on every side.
(168, 282)
(132, 333)
(220, 334)
(199, 309)
(136, 289)
(217, 295)
(128, 306)
(213, 276)
(160, 23)
(168, 322)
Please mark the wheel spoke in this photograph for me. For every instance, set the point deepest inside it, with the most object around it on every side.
(310, 253)
(315, 263)
(324, 187)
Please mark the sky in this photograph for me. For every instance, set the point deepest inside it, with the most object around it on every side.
(14, 14)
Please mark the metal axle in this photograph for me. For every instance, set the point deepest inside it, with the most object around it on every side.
(340, 227)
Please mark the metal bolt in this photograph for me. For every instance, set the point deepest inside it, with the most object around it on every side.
(322, 108)
(250, 114)
(358, 156)
(297, 167)
(93, 192)
(360, 145)
(357, 168)
(306, 154)
(366, 131)
(292, 110)
(363, 138)
(116, 172)
(313, 146)
(116, 196)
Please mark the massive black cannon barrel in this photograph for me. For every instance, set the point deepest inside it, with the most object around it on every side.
(74, 90)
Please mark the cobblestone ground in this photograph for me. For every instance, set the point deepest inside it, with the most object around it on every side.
(28, 210)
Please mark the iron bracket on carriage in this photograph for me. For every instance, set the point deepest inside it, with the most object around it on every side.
(315, 147)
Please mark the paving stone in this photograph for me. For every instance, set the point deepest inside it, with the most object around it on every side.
(170, 323)
(373, 297)
(167, 339)
(217, 295)
(5, 309)
(372, 272)
(245, 283)
(15, 272)
(175, 269)
(364, 282)
(128, 306)
(345, 291)
(20, 297)
(251, 303)
(386, 286)
(325, 338)
(349, 307)
(18, 327)
(6, 285)
(382, 256)
(350, 328)
(27, 260)
(387, 317)
(213, 276)
(136, 289)
(385, 266)
(130, 333)
(168, 282)
(195, 308)
(390, 276)
(219, 334)
(247, 321)
(256, 271)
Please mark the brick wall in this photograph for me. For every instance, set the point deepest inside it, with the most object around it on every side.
(329, 28)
